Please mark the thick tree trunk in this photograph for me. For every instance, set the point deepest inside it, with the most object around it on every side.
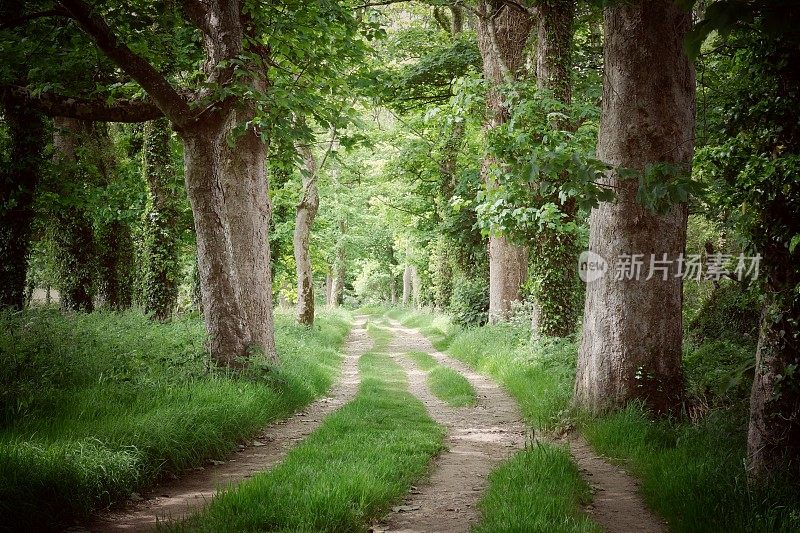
(227, 187)
(632, 333)
(555, 252)
(406, 284)
(161, 222)
(18, 185)
(306, 212)
(508, 270)
(229, 335)
(502, 35)
(773, 439)
(249, 210)
(74, 237)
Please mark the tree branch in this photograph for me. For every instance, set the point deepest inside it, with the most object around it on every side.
(173, 105)
(19, 21)
(56, 105)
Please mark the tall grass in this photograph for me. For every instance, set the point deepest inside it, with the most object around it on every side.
(97, 406)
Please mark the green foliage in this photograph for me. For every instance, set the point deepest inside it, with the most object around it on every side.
(731, 313)
(96, 406)
(469, 304)
(364, 457)
(540, 167)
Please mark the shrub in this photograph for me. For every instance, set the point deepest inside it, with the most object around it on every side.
(469, 304)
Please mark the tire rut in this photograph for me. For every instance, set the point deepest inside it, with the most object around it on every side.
(183, 496)
(478, 439)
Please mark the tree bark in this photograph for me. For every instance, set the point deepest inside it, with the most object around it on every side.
(502, 36)
(416, 286)
(773, 437)
(329, 288)
(632, 333)
(306, 213)
(17, 190)
(406, 284)
(555, 252)
(339, 267)
(161, 222)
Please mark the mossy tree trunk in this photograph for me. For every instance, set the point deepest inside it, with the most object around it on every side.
(73, 235)
(161, 222)
(18, 183)
(554, 253)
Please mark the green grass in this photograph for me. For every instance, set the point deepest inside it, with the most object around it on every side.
(97, 406)
(538, 490)
(363, 458)
(537, 373)
(693, 474)
(445, 383)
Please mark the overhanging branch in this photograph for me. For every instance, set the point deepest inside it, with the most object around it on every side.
(56, 105)
(171, 103)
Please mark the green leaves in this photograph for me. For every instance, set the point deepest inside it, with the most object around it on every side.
(663, 185)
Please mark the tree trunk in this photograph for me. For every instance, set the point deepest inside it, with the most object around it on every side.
(74, 237)
(508, 270)
(161, 222)
(339, 267)
(393, 288)
(406, 284)
(227, 188)
(306, 212)
(116, 262)
(114, 240)
(502, 35)
(555, 252)
(416, 286)
(773, 438)
(632, 333)
(18, 185)
(329, 288)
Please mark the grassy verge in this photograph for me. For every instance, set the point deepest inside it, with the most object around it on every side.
(445, 383)
(348, 472)
(693, 473)
(97, 406)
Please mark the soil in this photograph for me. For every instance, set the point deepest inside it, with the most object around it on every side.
(478, 439)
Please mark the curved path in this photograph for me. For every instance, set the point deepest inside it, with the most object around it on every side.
(478, 439)
(177, 499)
